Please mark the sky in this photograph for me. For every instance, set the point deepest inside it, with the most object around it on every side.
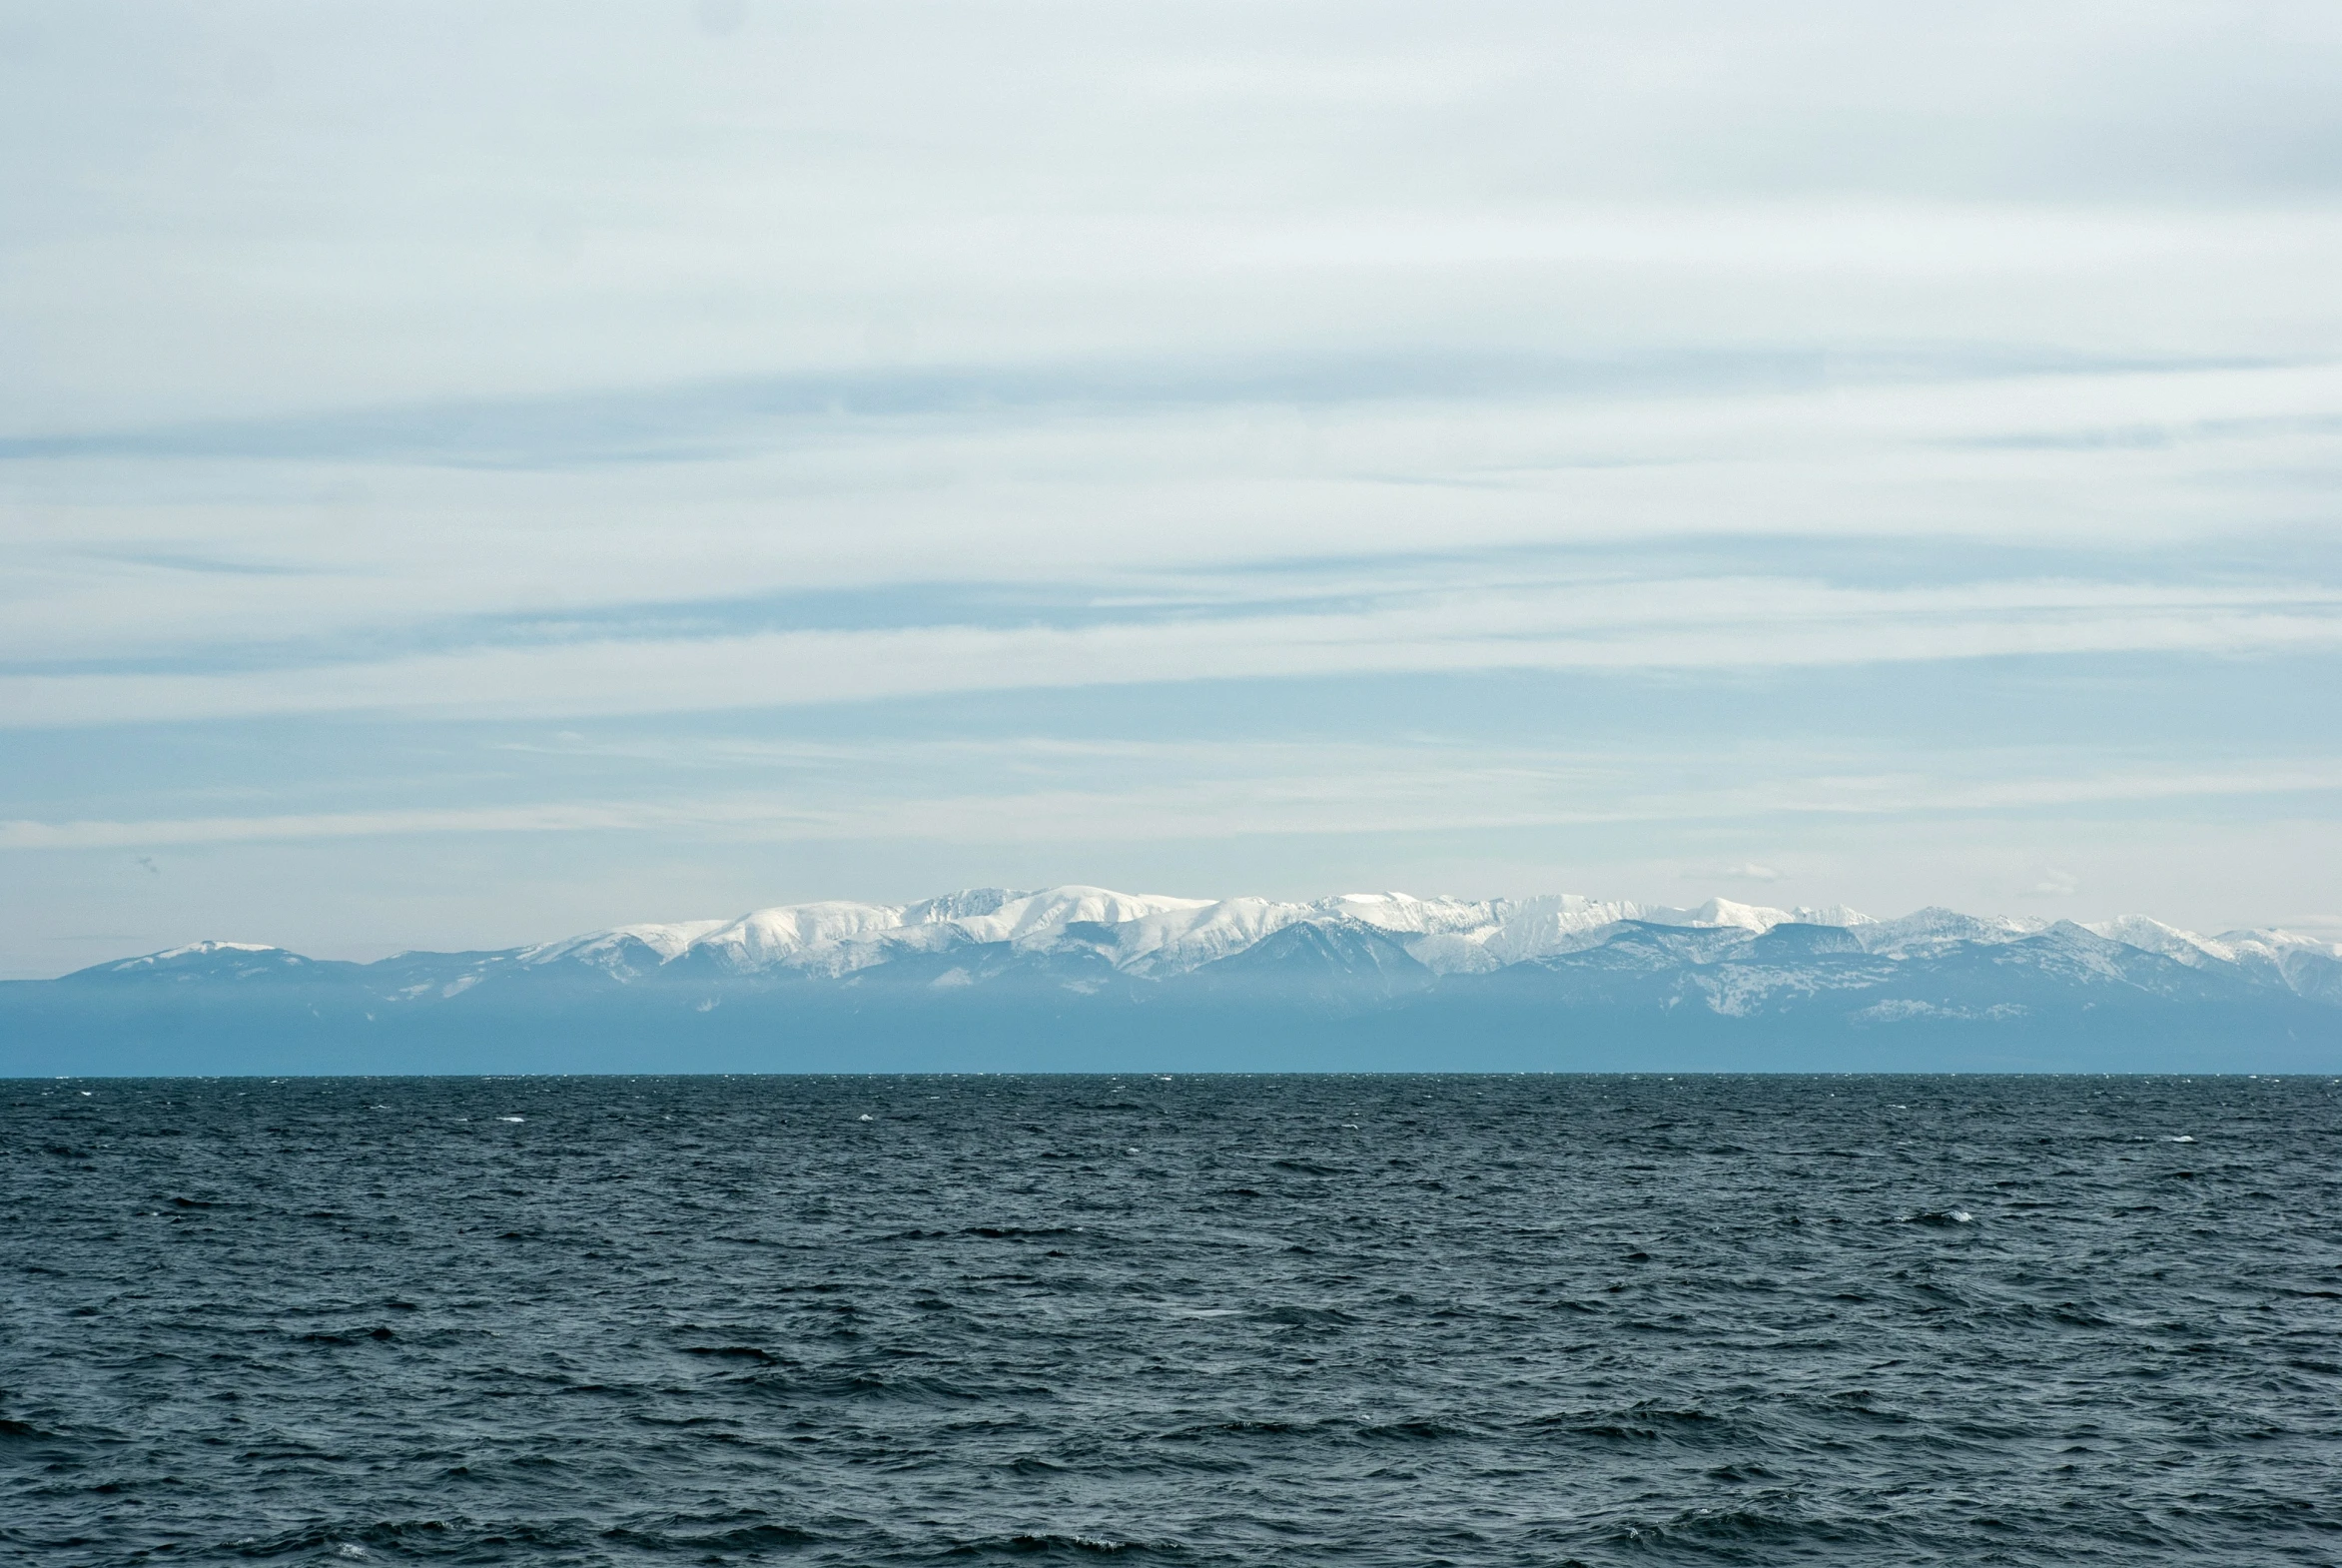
(470, 474)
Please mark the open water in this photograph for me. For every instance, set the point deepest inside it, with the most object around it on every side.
(1243, 1320)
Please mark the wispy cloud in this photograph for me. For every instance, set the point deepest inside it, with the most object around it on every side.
(726, 418)
(1710, 624)
(1267, 791)
(1741, 871)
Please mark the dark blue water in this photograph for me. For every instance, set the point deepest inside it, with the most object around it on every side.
(1376, 1321)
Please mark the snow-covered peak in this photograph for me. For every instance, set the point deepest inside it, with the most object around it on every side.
(769, 935)
(2274, 941)
(1047, 912)
(1935, 927)
(1724, 912)
(171, 958)
(1398, 914)
(206, 960)
(1173, 940)
(1758, 917)
(667, 938)
(839, 935)
(1161, 935)
(956, 906)
(198, 950)
(1830, 915)
(2153, 936)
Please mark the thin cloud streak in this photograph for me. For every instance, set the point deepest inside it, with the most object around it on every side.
(1381, 801)
(1714, 625)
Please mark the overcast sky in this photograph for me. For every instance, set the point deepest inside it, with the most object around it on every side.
(474, 473)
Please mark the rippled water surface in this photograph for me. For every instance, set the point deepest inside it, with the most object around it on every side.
(1403, 1320)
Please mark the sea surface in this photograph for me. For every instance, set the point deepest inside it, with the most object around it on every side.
(1395, 1320)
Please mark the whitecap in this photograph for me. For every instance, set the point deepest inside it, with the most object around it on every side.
(1940, 1216)
(511, 1119)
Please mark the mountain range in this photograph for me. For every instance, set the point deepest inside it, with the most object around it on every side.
(1082, 978)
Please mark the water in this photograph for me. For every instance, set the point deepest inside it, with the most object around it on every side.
(1402, 1320)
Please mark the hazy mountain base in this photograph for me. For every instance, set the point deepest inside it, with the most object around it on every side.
(1312, 998)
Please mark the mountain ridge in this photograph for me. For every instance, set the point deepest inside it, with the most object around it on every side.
(1078, 976)
(1160, 934)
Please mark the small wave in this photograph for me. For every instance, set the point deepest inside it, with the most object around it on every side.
(733, 1352)
(1638, 1423)
(875, 1387)
(763, 1536)
(1412, 1431)
(1021, 1232)
(1941, 1217)
(1308, 1317)
(1051, 1543)
(1704, 1530)
(2074, 1315)
(398, 1537)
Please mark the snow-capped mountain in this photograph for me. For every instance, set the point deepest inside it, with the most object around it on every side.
(1076, 976)
(1139, 934)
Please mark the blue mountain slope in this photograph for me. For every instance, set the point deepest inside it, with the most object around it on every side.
(1340, 966)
